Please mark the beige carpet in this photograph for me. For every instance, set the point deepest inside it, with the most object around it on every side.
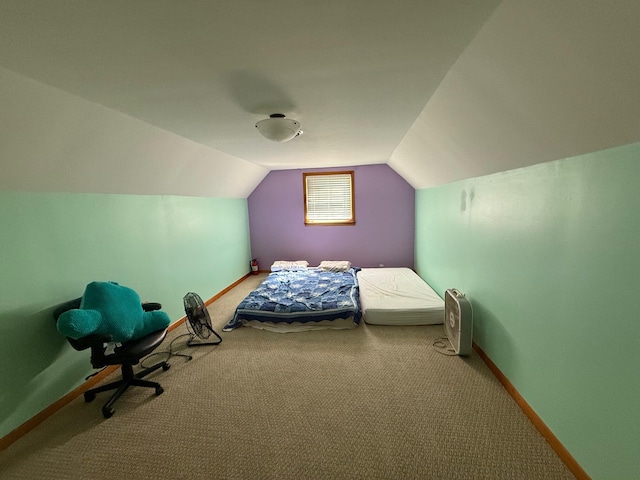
(376, 402)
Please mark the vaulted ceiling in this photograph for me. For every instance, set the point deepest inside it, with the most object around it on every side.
(440, 90)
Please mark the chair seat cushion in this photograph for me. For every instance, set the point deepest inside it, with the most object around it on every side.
(133, 350)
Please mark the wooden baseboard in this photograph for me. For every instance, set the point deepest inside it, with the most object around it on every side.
(226, 290)
(54, 407)
(551, 439)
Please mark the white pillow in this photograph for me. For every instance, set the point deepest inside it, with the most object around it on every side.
(279, 265)
(335, 265)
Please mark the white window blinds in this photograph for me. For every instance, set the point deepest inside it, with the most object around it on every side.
(329, 198)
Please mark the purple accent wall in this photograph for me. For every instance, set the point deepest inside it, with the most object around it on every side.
(384, 232)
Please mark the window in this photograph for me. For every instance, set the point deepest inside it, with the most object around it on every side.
(328, 198)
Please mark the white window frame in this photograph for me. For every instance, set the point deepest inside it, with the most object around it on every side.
(329, 198)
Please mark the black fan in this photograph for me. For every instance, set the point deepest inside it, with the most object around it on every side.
(198, 321)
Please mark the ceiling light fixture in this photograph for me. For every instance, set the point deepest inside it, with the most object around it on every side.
(278, 128)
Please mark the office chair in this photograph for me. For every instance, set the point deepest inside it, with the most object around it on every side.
(126, 355)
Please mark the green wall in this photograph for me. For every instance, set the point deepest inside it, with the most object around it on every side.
(549, 258)
(52, 245)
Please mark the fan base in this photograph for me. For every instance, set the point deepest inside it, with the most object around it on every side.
(196, 342)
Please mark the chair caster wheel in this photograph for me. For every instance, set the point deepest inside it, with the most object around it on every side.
(159, 391)
(89, 396)
(107, 412)
(166, 367)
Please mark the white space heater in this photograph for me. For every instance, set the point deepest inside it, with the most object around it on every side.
(458, 321)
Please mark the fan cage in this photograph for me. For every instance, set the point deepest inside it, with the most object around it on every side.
(198, 319)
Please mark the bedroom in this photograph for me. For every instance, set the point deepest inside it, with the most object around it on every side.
(534, 216)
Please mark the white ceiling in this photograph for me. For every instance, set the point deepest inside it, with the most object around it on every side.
(439, 89)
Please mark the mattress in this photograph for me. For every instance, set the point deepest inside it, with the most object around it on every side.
(301, 300)
(398, 296)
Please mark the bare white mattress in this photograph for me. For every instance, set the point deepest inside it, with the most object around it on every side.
(398, 296)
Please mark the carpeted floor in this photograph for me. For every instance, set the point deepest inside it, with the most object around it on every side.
(375, 402)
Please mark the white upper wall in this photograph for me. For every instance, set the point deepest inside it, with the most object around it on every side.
(541, 81)
(54, 141)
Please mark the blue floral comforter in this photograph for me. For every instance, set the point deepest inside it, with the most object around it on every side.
(301, 296)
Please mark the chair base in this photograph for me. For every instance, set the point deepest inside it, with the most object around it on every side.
(128, 379)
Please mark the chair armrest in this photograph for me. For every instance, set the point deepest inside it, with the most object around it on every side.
(90, 341)
(151, 306)
(97, 345)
